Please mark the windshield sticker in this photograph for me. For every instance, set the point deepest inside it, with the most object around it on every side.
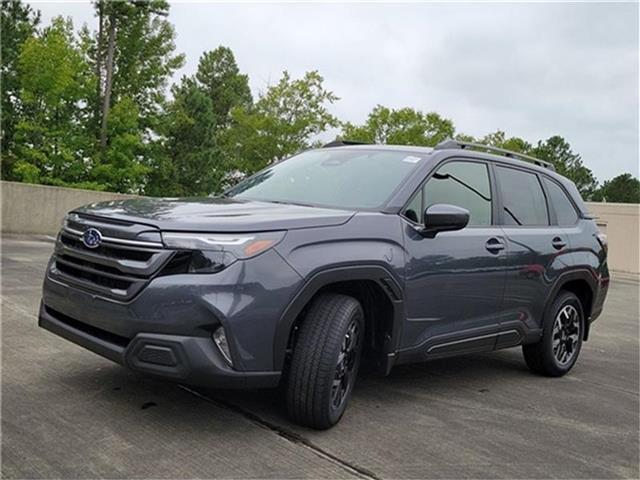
(411, 159)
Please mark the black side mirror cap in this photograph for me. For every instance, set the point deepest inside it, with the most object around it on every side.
(443, 217)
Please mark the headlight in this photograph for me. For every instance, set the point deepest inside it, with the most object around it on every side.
(211, 253)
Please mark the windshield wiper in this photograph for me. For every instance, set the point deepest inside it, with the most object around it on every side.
(287, 202)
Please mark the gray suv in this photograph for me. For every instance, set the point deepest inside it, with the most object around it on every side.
(338, 257)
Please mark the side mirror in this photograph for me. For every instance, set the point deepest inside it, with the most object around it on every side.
(443, 217)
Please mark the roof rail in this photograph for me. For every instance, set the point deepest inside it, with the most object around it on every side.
(343, 143)
(447, 144)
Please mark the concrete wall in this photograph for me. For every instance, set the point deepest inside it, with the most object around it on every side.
(621, 223)
(38, 209)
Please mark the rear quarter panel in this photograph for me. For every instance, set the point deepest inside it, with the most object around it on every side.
(587, 255)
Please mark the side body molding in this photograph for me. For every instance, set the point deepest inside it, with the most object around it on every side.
(376, 273)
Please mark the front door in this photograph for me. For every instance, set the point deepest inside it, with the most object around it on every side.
(454, 281)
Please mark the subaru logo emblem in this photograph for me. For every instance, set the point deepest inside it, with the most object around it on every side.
(91, 238)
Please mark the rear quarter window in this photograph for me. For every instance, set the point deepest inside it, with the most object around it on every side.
(565, 211)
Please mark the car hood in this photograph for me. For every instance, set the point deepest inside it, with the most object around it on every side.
(215, 214)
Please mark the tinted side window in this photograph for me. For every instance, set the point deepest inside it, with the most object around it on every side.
(522, 197)
(565, 210)
(464, 184)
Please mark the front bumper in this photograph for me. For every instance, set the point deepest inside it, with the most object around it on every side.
(184, 359)
(166, 328)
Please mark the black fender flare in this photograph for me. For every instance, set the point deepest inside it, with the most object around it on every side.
(588, 275)
(379, 274)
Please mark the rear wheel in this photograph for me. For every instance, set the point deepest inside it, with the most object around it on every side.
(557, 352)
(325, 361)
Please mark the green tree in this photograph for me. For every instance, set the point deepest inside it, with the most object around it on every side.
(220, 78)
(568, 163)
(133, 57)
(121, 169)
(18, 24)
(499, 139)
(145, 57)
(405, 126)
(50, 139)
(283, 121)
(464, 137)
(193, 163)
(187, 165)
(624, 188)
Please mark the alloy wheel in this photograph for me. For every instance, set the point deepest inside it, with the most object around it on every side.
(566, 334)
(345, 368)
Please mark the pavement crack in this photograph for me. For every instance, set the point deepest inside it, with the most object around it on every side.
(288, 435)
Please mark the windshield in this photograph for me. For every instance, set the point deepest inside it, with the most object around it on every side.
(349, 178)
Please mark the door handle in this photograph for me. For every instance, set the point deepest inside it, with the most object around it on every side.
(494, 245)
(558, 243)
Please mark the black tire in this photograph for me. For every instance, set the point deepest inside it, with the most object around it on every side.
(332, 321)
(556, 353)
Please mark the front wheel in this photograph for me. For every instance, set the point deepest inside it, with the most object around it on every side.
(557, 352)
(325, 361)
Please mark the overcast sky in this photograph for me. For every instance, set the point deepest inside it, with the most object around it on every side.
(530, 69)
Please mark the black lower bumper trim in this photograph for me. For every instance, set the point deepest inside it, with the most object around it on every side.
(80, 336)
(184, 359)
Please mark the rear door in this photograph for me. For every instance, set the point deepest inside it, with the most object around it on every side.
(563, 212)
(536, 246)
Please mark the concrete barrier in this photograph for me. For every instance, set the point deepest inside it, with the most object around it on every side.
(621, 223)
(39, 209)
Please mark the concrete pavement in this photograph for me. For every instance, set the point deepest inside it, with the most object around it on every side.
(68, 413)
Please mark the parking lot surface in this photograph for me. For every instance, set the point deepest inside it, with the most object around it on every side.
(68, 413)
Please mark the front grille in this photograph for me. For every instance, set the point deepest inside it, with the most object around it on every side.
(119, 268)
(95, 278)
(139, 255)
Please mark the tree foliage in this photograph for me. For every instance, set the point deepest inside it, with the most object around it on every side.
(131, 57)
(144, 56)
(499, 139)
(18, 24)
(405, 126)
(284, 120)
(50, 138)
(624, 188)
(121, 168)
(220, 79)
(568, 163)
(199, 114)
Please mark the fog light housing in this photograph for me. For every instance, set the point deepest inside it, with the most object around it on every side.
(220, 339)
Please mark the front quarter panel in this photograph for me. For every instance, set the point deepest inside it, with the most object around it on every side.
(368, 239)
